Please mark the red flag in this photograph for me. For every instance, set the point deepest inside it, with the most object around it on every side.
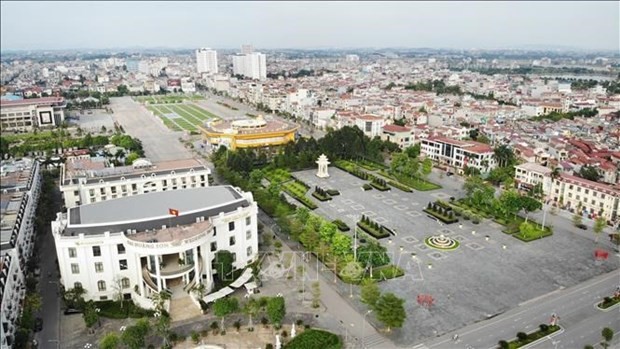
(173, 212)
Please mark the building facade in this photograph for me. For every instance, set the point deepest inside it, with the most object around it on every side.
(21, 186)
(530, 174)
(401, 135)
(26, 114)
(591, 199)
(206, 61)
(249, 133)
(252, 65)
(458, 155)
(86, 181)
(135, 247)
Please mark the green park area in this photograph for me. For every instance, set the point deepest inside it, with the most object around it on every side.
(188, 117)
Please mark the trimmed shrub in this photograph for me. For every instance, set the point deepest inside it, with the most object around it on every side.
(521, 336)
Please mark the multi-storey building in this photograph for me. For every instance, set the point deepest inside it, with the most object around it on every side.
(89, 180)
(206, 61)
(404, 136)
(458, 155)
(26, 114)
(576, 194)
(252, 65)
(136, 246)
(21, 185)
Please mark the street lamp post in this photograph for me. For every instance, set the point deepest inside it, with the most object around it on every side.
(364, 328)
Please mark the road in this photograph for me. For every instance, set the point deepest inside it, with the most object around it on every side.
(575, 307)
(50, 311)
(159, 142)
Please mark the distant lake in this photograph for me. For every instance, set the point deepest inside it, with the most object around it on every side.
(583, 77)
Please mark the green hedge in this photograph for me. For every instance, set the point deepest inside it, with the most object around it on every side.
(313, 339)
(342, 226)
(112, 310)
(441, 217)
(379, 186)
(377, 234)
(321, 197)
(333, 192)
(532, 337)
(367, 187)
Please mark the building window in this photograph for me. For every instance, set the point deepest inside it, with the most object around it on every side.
(76, 193)
(120, 248)
(102, 191)
(99, 267)
(232, 241)
(213, 246)
(97, 251)
(91, 192)
(214, 231)
(125, 283)
(77, 285)
(587, 191)
(75, 268)
(248, 220)
(248, 235)
(123, 264)
(249, 251)
(72, 252)
(101, 285)
(234, 256)
(231, 226)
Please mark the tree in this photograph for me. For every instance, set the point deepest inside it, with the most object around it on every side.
(504, 156)
(133, 336)
(427, 166)
(372, 254)
(529, 204)
(110, 341)
(251, 308)
(117, 286)
(599, 226)
(390, 310)
(370, 293)
(608, 334)
(90, 315)
(589, 172)
(225, 306)
(224, 265)
(276, 309)
(577, 219)
(341, 244)
(162, 328)
(327, 231)
(316, 294)
(414, 150)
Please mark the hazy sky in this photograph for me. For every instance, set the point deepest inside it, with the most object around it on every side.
(61, 25)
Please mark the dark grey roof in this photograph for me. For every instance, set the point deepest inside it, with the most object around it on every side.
(133, 212)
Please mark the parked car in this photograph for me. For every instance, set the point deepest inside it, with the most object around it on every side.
(38, 324)
(582, 226)
(70, 311)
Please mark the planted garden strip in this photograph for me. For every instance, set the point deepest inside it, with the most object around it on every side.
(342, 226)
(386, 272)
(400, 186)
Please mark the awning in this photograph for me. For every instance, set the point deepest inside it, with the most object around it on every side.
(245, 277)
(217, 295)
(251, 285)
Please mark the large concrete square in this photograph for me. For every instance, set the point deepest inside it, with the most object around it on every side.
(479, 279)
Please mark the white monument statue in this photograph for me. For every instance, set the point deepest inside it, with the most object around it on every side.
(322, 162)
(278, 343)
(293, 331)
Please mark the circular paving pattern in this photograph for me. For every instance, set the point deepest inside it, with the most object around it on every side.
(441, 242)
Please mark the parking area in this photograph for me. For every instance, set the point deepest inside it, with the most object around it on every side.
(91, 120)
(489, 273)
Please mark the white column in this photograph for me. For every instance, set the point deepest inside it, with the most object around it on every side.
(196, 276)
(157, 273)
(140, 276)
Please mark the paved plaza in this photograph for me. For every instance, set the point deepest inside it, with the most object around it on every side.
(482, 278)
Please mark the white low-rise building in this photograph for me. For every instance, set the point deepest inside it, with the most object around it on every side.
(21, 186)
(26, 114)
(404, 136)
(134, 247)
(85, 181)
(530, 174)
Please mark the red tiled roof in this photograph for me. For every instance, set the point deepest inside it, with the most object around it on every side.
(396, 128)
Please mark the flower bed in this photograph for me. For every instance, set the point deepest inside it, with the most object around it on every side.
(342, 226)
(609, 302)
(532, 337)
(400, 186)
(376, 233)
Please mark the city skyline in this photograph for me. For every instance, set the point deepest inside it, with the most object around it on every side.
(307, 25)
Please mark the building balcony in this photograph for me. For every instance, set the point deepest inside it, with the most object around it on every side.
(171, 268)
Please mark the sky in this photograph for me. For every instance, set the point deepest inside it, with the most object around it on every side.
(270, 25)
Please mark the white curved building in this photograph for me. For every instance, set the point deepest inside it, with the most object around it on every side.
(134, 246)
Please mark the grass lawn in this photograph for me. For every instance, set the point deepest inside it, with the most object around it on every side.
(184, 114)
(193, 112)
(539, 234)
(168, 122)
(415, 183)
(369, 165)
(298, 190)
(385, 272)
(202, 111)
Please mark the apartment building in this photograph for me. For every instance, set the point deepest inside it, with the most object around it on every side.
(252, 65)
(458, 155)
(206, 61)
(90, 180)
(21, 186)
(137, 246)
(25, 114)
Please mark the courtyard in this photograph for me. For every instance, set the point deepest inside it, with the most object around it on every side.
(489, 273)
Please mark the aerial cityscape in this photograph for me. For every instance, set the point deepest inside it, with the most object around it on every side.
(310, 175)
